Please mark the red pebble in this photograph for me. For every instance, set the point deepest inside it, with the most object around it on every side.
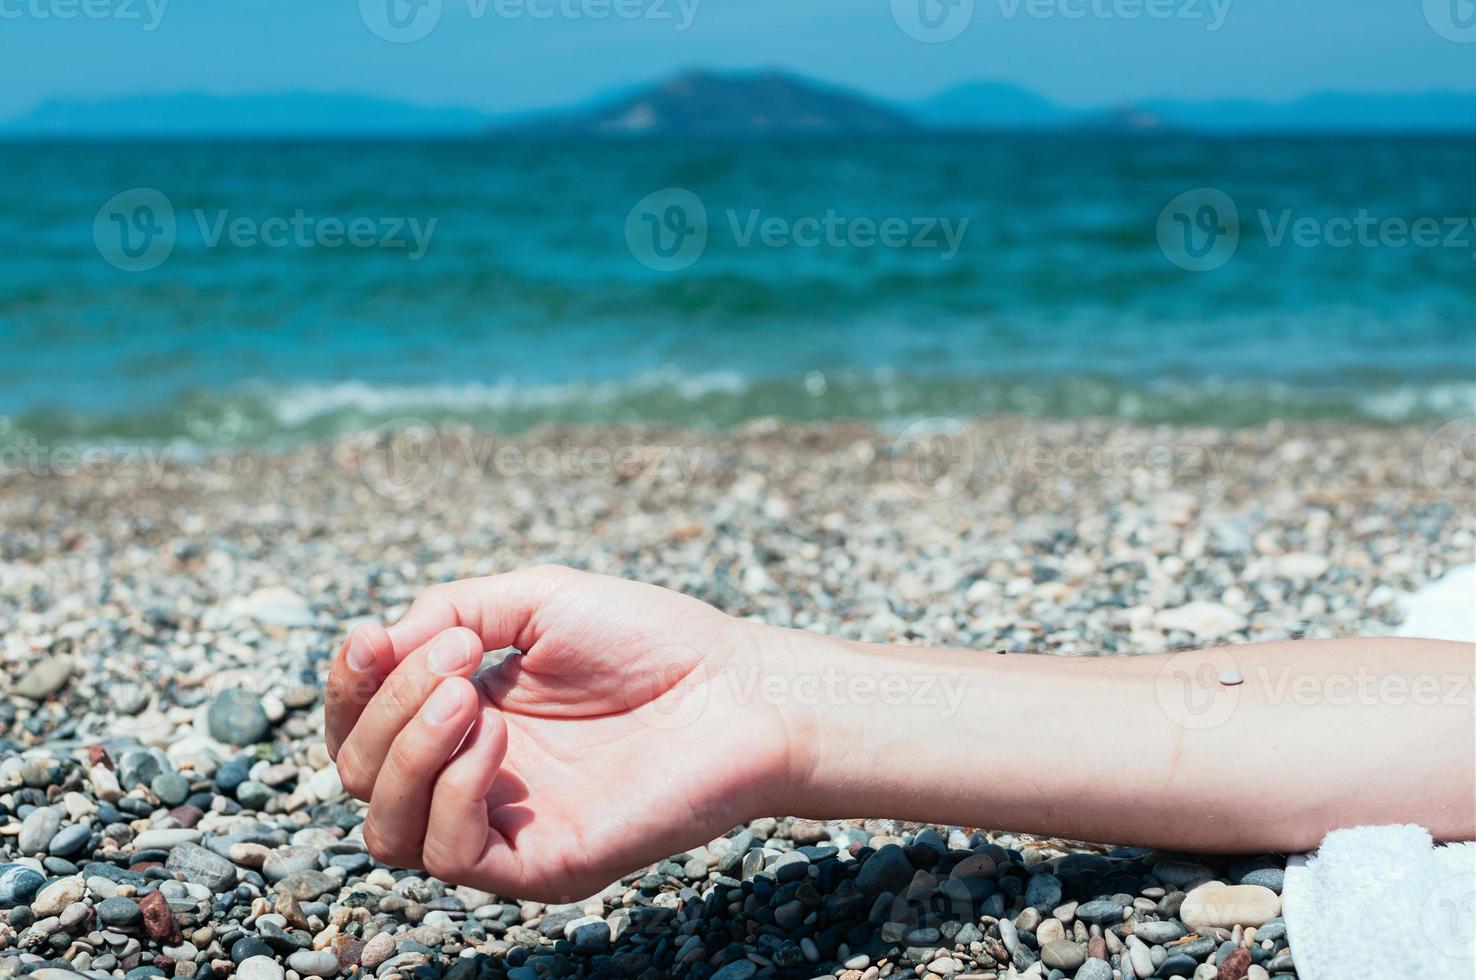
(97, 754)
(1236, 965)
(187, 815)
(159, 921)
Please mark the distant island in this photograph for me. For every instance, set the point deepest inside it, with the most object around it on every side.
(741, 105)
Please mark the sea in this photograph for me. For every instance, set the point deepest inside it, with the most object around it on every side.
(266, 293)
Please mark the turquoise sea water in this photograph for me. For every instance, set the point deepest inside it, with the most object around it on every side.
(515, 284)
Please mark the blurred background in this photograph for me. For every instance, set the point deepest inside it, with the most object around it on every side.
(232, 225)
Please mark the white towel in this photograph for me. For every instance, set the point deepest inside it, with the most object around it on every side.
(1382, 902)
(1444, 609)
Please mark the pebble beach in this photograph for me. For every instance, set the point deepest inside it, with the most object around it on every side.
(168, 807)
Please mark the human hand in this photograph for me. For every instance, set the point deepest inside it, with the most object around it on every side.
(615, 739)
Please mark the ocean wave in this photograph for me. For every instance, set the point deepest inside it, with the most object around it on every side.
(265, 414)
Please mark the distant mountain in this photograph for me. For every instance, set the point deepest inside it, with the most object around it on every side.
(1327, 112)
(299, 114)
(999, 106)
(712, 104)
(706, 104)
(989, 105)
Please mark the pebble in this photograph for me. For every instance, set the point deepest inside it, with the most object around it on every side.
(259, 968)
(56, 896)
(119, 913)
(1094, 970)
(171, 788)
(45, 678)
(18, 884)
(378, 949)
(1100, 913)
(886, 870)
(1204, 620)
(313, 963)
(1271, 878)
(1223, 906)
(69, 840)
(1062, 954)
(194, 863)
(168, 838)
(38, 829)
(290, 860)
(236, 717)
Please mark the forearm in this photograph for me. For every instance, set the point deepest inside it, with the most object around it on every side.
(1152, 750)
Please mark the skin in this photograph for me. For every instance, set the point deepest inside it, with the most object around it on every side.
(638, 722)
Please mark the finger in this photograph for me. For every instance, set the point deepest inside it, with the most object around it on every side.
(501, 609)
(396, 824)
(366, 659)
(456, 652)
(460, 844)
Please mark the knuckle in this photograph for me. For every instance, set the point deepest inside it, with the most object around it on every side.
(441, 862)
(554, 572)
(352, 773)
(402, 759)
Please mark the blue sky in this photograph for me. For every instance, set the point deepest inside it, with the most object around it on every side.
(501, 55)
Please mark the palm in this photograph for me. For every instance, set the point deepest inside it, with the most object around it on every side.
(624, 747)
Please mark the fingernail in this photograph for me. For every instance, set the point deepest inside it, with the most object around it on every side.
(444, 702)
(360, 655)
(448, 654)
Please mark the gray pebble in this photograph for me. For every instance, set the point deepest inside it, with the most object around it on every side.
(1102, 912)
(236, 717)
(70, 840)
(19, 884)
(119, 913)
(37, 830)
(313, 962)
(1271, 878)
(171, 788)
(194, 863)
